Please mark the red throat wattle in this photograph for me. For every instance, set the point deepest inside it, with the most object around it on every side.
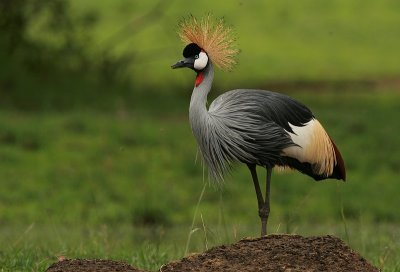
(199, 79)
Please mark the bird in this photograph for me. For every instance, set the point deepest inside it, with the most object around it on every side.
(250, 126)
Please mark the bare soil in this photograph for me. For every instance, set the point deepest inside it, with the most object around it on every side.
(287, 253)
(92, 266)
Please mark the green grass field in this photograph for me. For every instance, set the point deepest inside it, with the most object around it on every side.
(301, 40)
(124, 183)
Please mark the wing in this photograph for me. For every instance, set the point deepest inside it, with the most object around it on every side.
(270, 106)
(257, 120)
(299, 140)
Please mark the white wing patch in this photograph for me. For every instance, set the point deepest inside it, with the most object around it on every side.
(314, 147)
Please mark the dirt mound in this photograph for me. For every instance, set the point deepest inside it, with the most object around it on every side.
(287, 253)
(91, 266)
(276, 253)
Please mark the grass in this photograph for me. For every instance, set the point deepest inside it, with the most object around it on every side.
(149, 248)
(124, 185)
(306, 40)
(301, 41)
(124, 162)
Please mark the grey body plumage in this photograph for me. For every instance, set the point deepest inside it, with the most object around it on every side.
(241, 126)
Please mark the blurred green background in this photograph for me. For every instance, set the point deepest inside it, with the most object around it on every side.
(96, 154)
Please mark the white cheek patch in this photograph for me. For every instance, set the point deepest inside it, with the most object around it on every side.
(201, 62)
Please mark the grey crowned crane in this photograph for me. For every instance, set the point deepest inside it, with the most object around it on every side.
(254, 127)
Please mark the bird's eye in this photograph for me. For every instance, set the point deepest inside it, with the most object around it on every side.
(196, 56)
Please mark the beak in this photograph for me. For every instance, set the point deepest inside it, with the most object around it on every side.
(186, 62)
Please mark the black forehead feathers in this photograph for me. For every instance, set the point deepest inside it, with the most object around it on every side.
(191, 49)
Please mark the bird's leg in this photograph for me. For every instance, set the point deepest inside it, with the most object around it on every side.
(266, 207)
(262, 211)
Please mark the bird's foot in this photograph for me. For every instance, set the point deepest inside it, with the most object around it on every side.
(264, 214)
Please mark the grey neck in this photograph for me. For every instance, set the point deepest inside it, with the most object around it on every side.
(198, 101)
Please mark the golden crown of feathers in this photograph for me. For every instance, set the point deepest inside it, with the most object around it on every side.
(213, 36)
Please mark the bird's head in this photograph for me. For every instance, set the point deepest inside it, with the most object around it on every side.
(207, 40)
(194, 58)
